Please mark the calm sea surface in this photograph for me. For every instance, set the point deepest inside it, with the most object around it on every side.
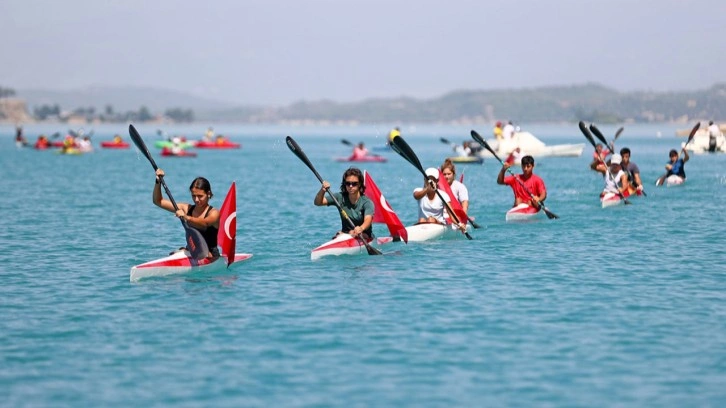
(618, 307)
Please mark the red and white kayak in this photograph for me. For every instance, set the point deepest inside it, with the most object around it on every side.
(430, 231)
(364, 159)
(344, 244)
(181, 262)
(608, 199)
(523, 212)
(182, 153)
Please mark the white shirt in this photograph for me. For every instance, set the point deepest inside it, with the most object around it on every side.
(508, 131)
(714, 131)
(612, 184)
(459, 191)
(432, 208)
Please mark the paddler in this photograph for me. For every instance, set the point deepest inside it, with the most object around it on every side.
(431, 207)
(529, 182)
(357, 207)
(616, 181)
(359, 152)
(200, 215)
(631, 170)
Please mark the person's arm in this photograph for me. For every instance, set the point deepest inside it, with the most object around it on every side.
(367, 221)
(624, 183)
(685, 155)
(500, 177)
(158, 199)
(320, 199)
(419, 193)
(201, 223)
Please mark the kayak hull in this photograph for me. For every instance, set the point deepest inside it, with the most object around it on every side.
(523, 212)
(180, 263)
(166, 152)
(610, 200)
(365, 159)
(344, 244)
(169, 144)
(204, 144)
(422, 232)
(466, 159)
(114, 145)
(674, 180)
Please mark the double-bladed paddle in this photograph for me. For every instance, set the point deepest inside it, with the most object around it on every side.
(477, 137)
(662, 178)
(585, 131)
(196, 244)
(402, 148)
(295, 148)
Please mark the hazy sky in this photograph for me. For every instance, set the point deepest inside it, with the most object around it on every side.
(281, 51)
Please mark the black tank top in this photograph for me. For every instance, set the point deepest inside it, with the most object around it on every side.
(209, 234)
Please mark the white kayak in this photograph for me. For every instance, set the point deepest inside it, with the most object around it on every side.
(523, 212)
(344, 244)
(180, 262)
(674, 180)
(608, 199)
(426, 231)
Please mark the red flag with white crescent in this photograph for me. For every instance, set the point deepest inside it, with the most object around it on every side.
(384, 212)
(455, 204)
(227, 234)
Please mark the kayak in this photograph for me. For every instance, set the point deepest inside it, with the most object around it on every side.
(206, 144)
(523, 212)
(610, 199)
(674, 180)
(429, 231)
(365, 159)
(466, 159)
(110, 144)
(169, 144)
(70, 150)
(180, 262)
(344, 244)
(182, 153)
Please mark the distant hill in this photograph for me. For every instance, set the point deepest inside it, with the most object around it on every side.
(120, 98)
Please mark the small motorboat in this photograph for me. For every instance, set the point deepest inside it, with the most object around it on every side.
(530, 145)
(466, 159)
(523, 212)
(345, 244)
(181, 262)
(168, 152)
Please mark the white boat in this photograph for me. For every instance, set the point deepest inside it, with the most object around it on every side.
(523, 212)
(610, 199)
(674, 180)
(429, 231)
(345, 244)
(530, 145)
(701, 143)
(181, 262)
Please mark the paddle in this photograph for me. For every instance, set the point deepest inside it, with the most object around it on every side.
(445, 141)
(662, 178)
(295, 148)
(589, 137)
(195, 241)
(600, 136)
(484, 143)
(346, 142)
(402, 148)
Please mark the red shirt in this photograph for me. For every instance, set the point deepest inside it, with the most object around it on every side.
(534, 183)
(604, 153)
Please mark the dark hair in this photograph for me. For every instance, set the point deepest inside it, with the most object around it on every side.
(673, 152)
(202, 184)
(353, 171)
(448, 163)
(624, 150)
(710, 122)
(527, 160)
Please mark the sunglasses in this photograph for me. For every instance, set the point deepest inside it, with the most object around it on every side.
(351, 184)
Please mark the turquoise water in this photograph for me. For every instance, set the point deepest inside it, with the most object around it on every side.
(623, 306)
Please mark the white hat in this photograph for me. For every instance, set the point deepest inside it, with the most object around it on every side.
(432, 172)
(616, 159)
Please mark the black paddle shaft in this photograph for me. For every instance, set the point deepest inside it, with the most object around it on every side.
(195, 241)
(295, 148)
(403, 149)
(477, 137)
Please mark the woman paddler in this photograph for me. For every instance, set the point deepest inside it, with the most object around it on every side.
(357, 207)
(200, 215)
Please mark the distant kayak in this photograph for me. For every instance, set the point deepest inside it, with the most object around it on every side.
(210, 144)
(169, 144)
(466, 159)
(110, 144)
(182, 153)
(364, 159)
(70, 151)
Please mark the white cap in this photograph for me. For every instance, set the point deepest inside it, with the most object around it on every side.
(432, 172)
(616, 159)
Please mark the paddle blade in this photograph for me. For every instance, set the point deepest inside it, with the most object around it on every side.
(598, 134)
(402, 148)
(549, 213)
(227, 233)
(295, 148)
(693, 133)
(196, 244)
(477, 137)
(139, 142)
(618, 133)
(585, 131)
(444, 140)
(345, 142)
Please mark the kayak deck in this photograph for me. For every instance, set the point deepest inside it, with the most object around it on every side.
(179, 263)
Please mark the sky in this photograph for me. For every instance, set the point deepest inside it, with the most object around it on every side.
(276, 52)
